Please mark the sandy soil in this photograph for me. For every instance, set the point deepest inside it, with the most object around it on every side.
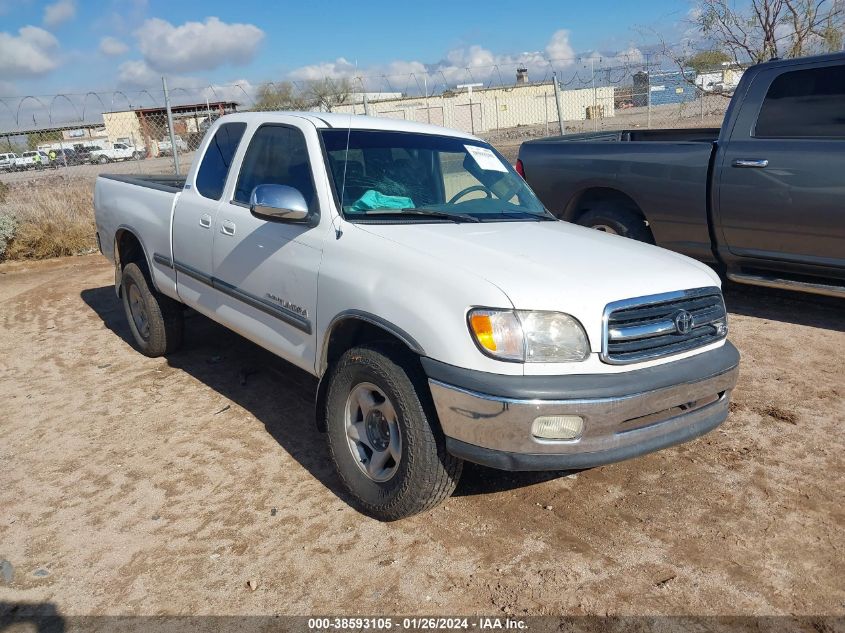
(139, 486)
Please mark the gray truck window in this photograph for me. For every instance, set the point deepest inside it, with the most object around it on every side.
(804, 104)
(277, 155)
(214, 169)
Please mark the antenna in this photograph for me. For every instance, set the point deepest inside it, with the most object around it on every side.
(337, 230)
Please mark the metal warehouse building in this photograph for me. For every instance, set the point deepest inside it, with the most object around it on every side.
(664, 87)
(145, 127)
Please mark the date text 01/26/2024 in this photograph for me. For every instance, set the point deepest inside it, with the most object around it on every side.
(419, 623)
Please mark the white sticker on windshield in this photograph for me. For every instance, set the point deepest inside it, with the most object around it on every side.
(485, 158)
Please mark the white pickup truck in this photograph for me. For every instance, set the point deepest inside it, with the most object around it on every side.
(447, 314)
(118, 151)
(165, 147)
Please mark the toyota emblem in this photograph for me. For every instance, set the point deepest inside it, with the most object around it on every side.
(683, 322)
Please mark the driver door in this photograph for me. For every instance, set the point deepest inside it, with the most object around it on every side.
(267, 268)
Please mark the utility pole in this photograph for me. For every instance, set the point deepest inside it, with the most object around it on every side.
(559, 106)
(173, 147)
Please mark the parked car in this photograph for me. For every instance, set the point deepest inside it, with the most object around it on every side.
(32, 160)
(165, 148)
(67, 157)
(7, 160)
(446, 313)
(83, 152)
(117, 152)
(761, 197)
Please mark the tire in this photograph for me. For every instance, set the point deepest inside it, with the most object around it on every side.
(136, 156)
(618, 221)
(425, 473)
(156, 321)
(102, 160)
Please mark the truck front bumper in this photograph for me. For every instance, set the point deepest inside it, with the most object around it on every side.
(487, 418)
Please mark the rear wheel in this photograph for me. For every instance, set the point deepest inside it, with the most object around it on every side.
(617, 221)
(383, 433)
(156, 321)
(102, 160)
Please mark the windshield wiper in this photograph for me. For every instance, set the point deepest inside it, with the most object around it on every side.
(537, 216)
(422, 211)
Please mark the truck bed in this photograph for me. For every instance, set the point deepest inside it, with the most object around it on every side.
(683, 135)
(664, 171)
(163, 182)
(142, 205)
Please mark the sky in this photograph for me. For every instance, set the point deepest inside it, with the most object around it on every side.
(75, 46)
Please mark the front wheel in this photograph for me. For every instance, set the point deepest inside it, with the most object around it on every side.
(383, 433)
(102, 160)
(156, 321)
(617, 221)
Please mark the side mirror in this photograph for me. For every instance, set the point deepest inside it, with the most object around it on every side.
(278, 202)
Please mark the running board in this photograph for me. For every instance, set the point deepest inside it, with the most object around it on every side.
(788, 284)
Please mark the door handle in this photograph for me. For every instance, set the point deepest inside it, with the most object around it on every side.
(756, 163)
(205, 221)
(227, 227)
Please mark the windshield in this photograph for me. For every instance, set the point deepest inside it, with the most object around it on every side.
(424, 177)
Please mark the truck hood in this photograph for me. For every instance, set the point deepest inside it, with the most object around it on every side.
(553, 265)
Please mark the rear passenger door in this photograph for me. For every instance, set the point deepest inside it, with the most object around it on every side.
(266, 268)
(195, 215)
(781, 185)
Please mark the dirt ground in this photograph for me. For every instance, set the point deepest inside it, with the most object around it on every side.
(131, 485)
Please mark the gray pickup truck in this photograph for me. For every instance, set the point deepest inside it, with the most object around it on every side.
(763, 197)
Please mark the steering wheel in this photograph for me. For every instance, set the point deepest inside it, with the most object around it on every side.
(464, 192)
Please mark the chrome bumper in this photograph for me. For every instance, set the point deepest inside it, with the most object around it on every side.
(497, 430)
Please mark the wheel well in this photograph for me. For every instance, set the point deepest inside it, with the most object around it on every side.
(128, 248)
(591, 198)
(348, 333)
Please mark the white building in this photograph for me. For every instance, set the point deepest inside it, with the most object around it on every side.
(484, 110)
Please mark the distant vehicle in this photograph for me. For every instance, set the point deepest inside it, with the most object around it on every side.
(7, 160)
(761, 197)
(166, 149)
(118, 151)
(83, 152)
(67, 157)
(32, 160)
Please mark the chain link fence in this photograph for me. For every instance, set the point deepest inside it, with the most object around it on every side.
(53, 147)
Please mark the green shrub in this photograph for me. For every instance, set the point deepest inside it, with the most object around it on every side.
(8, 225)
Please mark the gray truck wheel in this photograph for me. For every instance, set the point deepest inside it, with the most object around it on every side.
(618, 221)
(383, 434)
(156, 321)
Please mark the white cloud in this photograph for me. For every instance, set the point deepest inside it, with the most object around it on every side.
(136, 74)
(112, 46)
(7, 89)
(59, 12)
(196, 45)
(33, 51)
(559, 47)
(484, 66)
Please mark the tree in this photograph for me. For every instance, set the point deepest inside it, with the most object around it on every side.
(35, 139)
(707, 60)
(323, 94)
(280, 96)
(328, 93)
(759, 30)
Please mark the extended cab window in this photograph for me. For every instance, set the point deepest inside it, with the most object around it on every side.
(214, 169)
(804, 104)
(277, 155)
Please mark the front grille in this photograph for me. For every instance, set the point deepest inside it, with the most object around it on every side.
(652, 327)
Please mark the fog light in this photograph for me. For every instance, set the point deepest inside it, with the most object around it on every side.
(557, 427)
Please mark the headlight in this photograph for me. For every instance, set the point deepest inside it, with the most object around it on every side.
(529, 336)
